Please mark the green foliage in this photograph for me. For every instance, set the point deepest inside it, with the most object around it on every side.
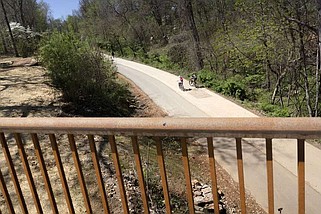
(85, 78)
(208, 78)
(233, 86)
(159, 60)
(274, 110)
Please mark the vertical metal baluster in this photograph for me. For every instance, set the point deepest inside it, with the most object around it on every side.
(79, 172)
(189, 190)
(5, 194)
(240, 173)
(301, 176)
(98, 173)
(44, 173)
(13, 173)
(269, 168)
(27, 170)
(119, 174)
(140, 173)
(61, 172)
(213, 174)
(161, 164)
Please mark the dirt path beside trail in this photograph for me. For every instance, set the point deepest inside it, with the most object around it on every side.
(26, 91)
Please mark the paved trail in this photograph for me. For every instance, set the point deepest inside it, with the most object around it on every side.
(162, 88)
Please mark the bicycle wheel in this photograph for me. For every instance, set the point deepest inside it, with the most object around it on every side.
(191, 82)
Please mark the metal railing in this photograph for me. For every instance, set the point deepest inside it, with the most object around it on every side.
(183, 128)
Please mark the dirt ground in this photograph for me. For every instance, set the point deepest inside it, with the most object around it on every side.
(25, 91)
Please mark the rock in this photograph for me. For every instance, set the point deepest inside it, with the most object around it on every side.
(209, 209)
(199, 209)
(196, 183)
(32, 62)
(198, 200)
(207, 190)
(197, 193)
(208, 198)
(203, 198)
(205, 186)
(6, 64)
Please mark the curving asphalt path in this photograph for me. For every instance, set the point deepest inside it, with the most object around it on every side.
(200, 102)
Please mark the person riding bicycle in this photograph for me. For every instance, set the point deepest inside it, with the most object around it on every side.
(194, 77)
(192, 80)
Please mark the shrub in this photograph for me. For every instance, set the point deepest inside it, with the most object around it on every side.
(275, 110)
(234, 89)
(206, 76)
(84, 77)
(231, 87)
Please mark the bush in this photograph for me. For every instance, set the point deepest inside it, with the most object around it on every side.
(275, 110)
(231, 87)
(209, 79)
(84, 77)
(234, 89)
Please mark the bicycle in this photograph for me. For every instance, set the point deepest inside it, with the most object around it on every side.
(192, 81)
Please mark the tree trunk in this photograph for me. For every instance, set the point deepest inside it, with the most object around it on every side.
(21, 14)
(4, 44)
(188, 15)
(275, 91)
(305, 75)
(317, 80)
(277, 87)
(318, 63)
(9, 28)
(303, 68)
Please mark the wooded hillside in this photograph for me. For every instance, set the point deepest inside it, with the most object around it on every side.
(263, 52)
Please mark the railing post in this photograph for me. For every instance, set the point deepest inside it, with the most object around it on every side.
(79, 172)
(241, 174)
(269, 168)
(301, 176)
(189, 190)
(98, 173)
(161, 164)
(27, 170)
(213, 174)
(140, 173)
(61, 172)
(5, 194)
(119, 174)
(13, 173)
(44, 173)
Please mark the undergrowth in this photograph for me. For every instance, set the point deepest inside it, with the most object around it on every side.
(87, 80)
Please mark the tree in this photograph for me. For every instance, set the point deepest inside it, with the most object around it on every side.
(318, 62)
(189, 24)
(9, 28)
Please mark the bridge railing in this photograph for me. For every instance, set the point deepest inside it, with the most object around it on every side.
(14, 130)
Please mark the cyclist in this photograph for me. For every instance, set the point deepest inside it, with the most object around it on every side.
(194, 77)
(192, 80)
